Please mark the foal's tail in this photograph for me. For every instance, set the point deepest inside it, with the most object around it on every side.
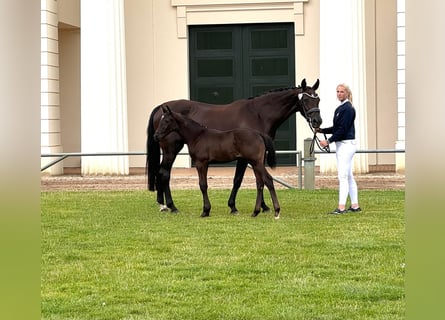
(271, 154)
(153, 160)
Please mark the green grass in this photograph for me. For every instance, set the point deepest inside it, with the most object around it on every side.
(113, 255)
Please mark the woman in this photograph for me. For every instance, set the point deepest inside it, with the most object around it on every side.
(343, 134)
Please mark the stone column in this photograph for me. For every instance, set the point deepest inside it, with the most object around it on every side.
(103, 87)
(50, 135)
(342, 60)
(400, 143)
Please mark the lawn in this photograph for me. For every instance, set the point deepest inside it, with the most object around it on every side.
(113, 255)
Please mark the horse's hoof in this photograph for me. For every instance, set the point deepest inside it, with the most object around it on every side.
(205, 214)
(255, 214)
(266, 209)
(277, 216)
(174, 210)
(234, 211)
(163, 208)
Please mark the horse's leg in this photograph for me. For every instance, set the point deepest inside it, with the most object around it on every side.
(270, 185)
(168, 157)
(160, 192)
(259, 189)
(264, 206)
(165, 180)
(202, 169)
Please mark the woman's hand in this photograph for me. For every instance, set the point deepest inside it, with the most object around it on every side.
(324, 143)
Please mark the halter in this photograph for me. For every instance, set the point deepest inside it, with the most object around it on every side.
(312, 110)
(315, 139)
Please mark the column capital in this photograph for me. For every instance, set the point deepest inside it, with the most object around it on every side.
(192, 12)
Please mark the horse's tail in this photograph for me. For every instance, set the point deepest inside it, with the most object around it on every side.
(271, 154)
(153, 160)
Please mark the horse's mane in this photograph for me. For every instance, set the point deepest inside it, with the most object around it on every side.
(275, 90)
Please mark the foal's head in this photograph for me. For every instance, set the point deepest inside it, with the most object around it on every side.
(167, 123)
(308, 101)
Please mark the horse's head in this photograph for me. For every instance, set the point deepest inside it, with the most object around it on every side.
(167, 123)
(308, 101)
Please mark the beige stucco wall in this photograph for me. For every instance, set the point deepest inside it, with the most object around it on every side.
(157, 65)
(307, 60)
(381, 43)
(69, 75)
(69, 12)
(386, 84)
(157, 54)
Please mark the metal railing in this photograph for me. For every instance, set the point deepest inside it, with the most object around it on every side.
(63, 155)
(308, 161)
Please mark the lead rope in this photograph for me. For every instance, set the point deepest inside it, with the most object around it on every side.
(316, 140)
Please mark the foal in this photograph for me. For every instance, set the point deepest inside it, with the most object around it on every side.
(211, 145)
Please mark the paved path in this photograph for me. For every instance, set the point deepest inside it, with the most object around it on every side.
(218, 178)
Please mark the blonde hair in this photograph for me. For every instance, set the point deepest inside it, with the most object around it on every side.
(348, 91)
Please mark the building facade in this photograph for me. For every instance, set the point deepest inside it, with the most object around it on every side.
(107, 63)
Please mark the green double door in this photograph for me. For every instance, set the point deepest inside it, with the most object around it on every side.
(230, 62)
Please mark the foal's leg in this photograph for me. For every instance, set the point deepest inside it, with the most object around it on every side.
(241, 166)
(202, 169)
(268, 180)
(259, 190)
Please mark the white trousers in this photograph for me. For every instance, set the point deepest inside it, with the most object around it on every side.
(345, 151)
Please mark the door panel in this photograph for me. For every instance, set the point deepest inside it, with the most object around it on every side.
(269, 67)
(214, 68)
(230, 62)
(215, 61)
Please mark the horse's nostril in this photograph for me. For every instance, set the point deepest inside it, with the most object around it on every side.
(316, 123)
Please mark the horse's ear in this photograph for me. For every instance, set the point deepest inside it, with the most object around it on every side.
(316, 84)
(166, 109)
(303, 83)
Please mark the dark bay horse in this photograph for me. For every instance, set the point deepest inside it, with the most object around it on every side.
(210, 145)
(264, 113)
